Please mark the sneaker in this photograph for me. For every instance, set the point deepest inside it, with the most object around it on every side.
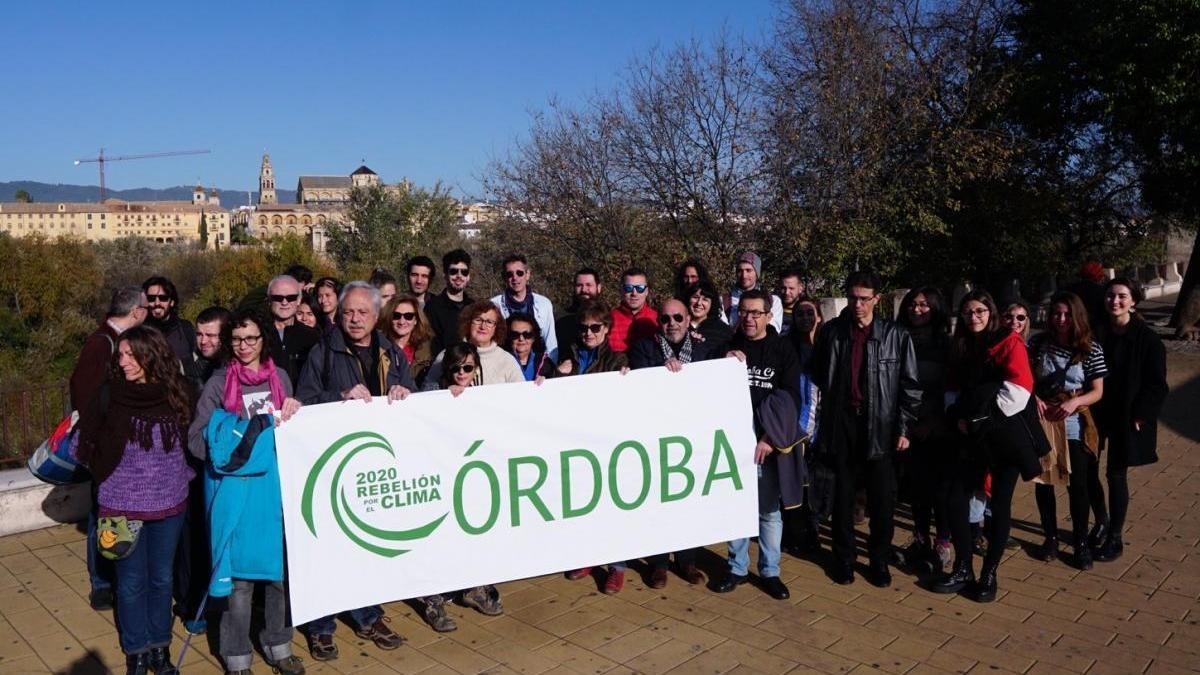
(945, 553)
(484, 599)
(615, 582)
(322, 647)
(435, 614)
(290, 665)
(101, 599)
(384, 637)
(579, 573)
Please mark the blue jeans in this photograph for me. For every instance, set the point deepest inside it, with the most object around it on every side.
(362, 617)
(100, 570)
(144, 615)
(770, 527)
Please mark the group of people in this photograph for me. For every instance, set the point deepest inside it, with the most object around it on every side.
(942, 408)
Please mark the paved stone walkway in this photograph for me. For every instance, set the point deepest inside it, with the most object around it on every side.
(1138, 614)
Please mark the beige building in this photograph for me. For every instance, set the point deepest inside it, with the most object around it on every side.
(161, 221)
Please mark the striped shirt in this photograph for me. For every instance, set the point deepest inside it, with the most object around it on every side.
(1055, 372)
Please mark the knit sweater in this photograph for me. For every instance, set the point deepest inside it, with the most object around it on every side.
(497, 365)
(148, 483)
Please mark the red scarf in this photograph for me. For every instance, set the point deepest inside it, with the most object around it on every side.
(237, 375)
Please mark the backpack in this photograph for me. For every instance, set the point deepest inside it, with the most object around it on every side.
(53, 461)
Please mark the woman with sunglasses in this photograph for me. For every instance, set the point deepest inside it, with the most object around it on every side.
(922, 312)
(1068, 364)
(132, 437)
(526, 345)
(402, 324)
(481, 325)
(248, 509)
(591, 354)
(1016, 318)
(460, 367)
(1137, 387)
(704, 306)
(989, 381)
(326, 291)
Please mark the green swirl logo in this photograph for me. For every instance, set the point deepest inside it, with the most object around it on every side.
(352, 525)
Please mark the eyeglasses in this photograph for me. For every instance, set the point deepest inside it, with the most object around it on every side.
(284, 299)
(466, 368)
(458, 272)
(591, 328)
(249, 340)
(509, 274)
(521, 334)
(978, 311)
(752, 313)
(634, 288)
(407, 316)
(483, 321)
(159, 297)
(1016, 317)
(664, 319)
(859, 299)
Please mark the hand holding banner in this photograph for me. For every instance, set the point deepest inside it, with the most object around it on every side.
(437, 493)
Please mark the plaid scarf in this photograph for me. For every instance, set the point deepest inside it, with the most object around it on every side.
(685, 352)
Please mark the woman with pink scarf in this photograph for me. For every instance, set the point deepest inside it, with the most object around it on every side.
(249, 385)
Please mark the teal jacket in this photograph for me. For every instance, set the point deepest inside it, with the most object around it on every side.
(241, 490)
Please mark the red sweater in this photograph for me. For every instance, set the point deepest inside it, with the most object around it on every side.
(628, 328)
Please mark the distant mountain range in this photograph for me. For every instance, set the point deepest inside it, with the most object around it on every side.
(48, 192)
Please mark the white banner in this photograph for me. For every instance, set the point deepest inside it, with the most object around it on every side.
(435, 494)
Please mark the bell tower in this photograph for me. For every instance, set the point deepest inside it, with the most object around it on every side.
(266, 182)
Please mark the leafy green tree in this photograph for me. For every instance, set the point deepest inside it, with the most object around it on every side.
(23, 197)
(384, 226)
(203, 231)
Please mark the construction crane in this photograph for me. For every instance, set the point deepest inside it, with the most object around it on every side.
(101, 160)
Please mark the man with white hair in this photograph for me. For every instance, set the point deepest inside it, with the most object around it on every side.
(354, 361)
(291, 340)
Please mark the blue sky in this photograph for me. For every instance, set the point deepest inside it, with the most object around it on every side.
(424, 90)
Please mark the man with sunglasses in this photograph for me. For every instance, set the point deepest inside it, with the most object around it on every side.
(291, 340)
(634, 319)
(163, 301)
(866, 368)
(443, 309)
(673, 347)
(518, 297)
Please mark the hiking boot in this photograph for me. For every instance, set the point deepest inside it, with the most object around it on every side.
(1110, 550)
(692, 575)
(435, 614)
(322, 647)
(101, 599)
(985, 590)
(159, 660)
(381, 634)
(615, 582)
(137, 664)
(1083, 556)
(289, 665)
(484, 599)
(658, 578)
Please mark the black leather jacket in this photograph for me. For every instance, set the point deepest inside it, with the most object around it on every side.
(893, 393)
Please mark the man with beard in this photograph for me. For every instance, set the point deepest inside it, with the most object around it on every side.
(443, 309)
(163, 301)
(587, 287)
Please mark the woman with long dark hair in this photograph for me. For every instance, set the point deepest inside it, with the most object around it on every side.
(689, 273)
(922, 312)
(131, 437)
(402, 322)
(998, 434)
(704, 305)
(1136, 388)
(246, 517)
(326, 292)
(1069, 370)
(801, 526)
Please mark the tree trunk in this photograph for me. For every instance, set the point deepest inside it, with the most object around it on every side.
(1187, 305)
